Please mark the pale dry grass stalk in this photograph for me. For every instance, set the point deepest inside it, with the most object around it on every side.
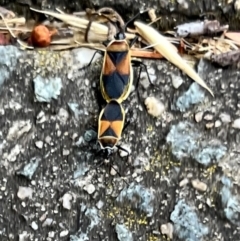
(165, 48)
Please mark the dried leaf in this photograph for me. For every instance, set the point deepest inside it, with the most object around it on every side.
(225, 59)
(62, 47)
(24, 45)
(152, 14)
(100, 47)
(13, 21)
(165, 48)
(97, 33)
(199, 28)
(235, 36)
(76, 22)
(145, 54)
(7, 13)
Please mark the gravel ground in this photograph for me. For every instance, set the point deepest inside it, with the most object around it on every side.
(180, 181)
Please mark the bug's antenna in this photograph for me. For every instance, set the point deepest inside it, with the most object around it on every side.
(133, 18)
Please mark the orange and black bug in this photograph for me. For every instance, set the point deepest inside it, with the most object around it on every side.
(111, 123)
(117, 73)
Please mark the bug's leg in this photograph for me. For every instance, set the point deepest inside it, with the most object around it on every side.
(126, 125)
(134, 17)
(137, 63)
(128, 165)
(100, 100)
(133, 41)
(123, 149)
(97, 51)
(119, 174)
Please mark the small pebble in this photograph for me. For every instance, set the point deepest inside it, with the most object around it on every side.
(63, 233)
(39, 144)
(43, 217)
(236, 124)
(66, 201)
(198, 185)
(87, 82)
(47, 222)
(34, 226)
(177, 82)
(198, 116)
(218, 123)
(184, 182)
(208, 202)
(167, 229)
(210, 125)
(113, 171)
(225, 118)
(208, 117)
(89, 188)
(154, 106)
(63, 115)
(99, 204)
(23, 236)
(237, 5)
(66, 152)
(51, 234)
(24, 192)
(48, 139)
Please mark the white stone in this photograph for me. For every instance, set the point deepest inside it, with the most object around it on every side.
(39, 144)
(198, 116)
(89, 188)
(176, 81)
(154, 106)
(24, 192)
(63, 233)
(18, 129)
(198, 185)
(66, 201)
(34, 226)
(236, 124)
(167, 229)
(225, 118)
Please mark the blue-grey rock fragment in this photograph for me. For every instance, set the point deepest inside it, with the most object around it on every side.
(8, 60)
(144, 199)
(183, 138)
(188, 141)
(90, 135)
(194, 95)
(30, 168)
(94, 218)
(81, 170)
(74, 107)
(187, 226)
(46, 89)
(123, 233)
(230, 202)
(208, 152)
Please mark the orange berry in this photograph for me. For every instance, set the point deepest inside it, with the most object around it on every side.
(41, 36)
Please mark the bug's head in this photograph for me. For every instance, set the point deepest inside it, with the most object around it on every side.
(120, 35)
(107, 145)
